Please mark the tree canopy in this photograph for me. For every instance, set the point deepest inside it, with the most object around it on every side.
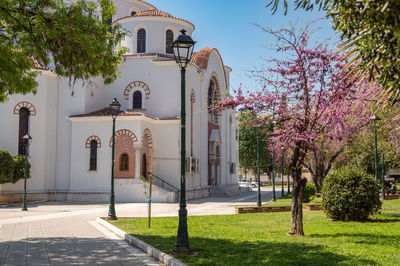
(74, 38)
(310, 98)
(248, 144)
(371, 30)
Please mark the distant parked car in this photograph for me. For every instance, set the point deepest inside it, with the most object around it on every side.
(244, 182)
(254, 184)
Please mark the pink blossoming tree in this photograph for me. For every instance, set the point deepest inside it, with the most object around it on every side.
(309, 97)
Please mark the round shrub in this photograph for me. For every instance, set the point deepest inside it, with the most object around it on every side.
(309, 192)
(350, 194)
(6, 167)
(19, 169)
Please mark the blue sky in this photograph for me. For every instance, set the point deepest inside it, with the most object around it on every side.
(228, 26)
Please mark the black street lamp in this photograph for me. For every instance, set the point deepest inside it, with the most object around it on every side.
(183, 50)
(288, 180)
(374, 119)
(383, 176)
(27, 142)
(283, 190)
(273, 165)
(258, 170)
(115, 106)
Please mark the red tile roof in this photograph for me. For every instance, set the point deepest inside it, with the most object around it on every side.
(153, 13)
(107, 112)
(201, 58)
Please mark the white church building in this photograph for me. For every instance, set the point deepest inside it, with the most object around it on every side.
(71, 151)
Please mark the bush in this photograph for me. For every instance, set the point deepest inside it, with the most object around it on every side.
(350, 194)
(19, 170)
(309, 192)
(6, 167)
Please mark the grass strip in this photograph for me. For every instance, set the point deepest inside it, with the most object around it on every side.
(261, 238)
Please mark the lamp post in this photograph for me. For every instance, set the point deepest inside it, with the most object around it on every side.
(374, 119)
(383, 176)
(283, 151)
(114, 107)
(273, 165)
(183, 50)
(288, 180)
(258, 171)
(27, 142)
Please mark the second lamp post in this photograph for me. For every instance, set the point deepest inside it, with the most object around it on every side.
(27, 141)
(374, 119)
(183, 50)
(114, 107)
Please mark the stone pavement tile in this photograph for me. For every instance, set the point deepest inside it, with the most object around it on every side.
(56, 251)
(36, 253)
(17, 249)
(6, 232)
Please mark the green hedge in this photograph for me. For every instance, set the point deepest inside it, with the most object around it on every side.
(11, 169)
(309, 192)
(350, 194)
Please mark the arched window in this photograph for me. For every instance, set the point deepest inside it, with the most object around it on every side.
(93, 156)
(192, 101)
(212, 99)
(124, 162)
(168, 40)
(133, 13)
(141, 41)
(23, 129)
(137, 100)
(144, 166)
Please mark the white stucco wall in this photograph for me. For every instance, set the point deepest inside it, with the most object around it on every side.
(41, 128)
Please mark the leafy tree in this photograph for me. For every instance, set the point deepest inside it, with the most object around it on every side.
(305, 93)
(371, 29)
(248, 145)
(73, 37)
(326, 149)
(360, 152)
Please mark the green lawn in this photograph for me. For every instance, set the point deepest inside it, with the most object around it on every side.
(261, 239)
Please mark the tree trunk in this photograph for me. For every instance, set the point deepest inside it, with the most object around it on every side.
(297, 204)
(319, 176)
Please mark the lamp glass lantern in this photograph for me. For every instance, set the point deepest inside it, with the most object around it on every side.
(115, 106)
(27, 140)
(183, 49)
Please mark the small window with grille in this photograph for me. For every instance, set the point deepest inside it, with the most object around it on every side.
(124, 162)
(93, 156)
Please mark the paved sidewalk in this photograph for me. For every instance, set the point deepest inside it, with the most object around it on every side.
(63, 233)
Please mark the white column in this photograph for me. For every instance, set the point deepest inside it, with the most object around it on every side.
(138, 146)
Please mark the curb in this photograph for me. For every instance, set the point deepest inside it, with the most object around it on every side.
(152, 251)
(20, 204)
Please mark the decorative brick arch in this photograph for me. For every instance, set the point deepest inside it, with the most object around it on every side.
(124, 132)
(89, 139)
(136, 84)
(27, 105)
(149, 139)
(147, 152)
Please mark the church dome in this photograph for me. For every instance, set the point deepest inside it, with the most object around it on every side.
(152, 13)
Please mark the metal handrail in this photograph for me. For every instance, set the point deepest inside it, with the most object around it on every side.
(163, 181)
